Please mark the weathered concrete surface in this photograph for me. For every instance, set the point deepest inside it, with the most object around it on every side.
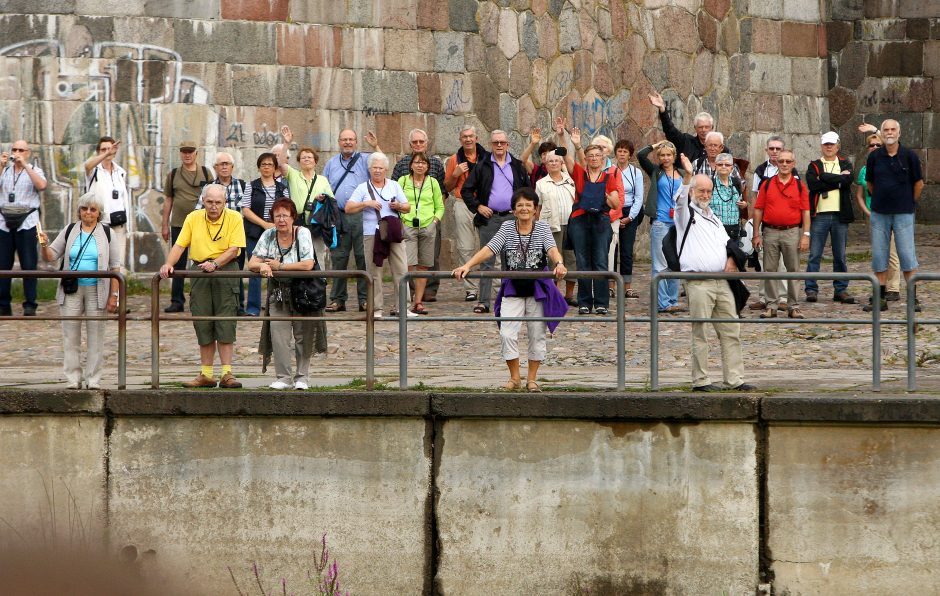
(533, 507)
(854, 510)
(52, 481)
(209, 493)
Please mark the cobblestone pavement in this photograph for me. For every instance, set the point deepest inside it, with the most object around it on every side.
(785, 356)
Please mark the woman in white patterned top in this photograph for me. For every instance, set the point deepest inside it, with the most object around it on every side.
(286, 247)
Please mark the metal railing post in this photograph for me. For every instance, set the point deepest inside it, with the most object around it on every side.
(875, 333)
(621, 333)
(155, 331)
(370, 329)
(403, 330)
(654, 330)
(122, 331)
(911, 334)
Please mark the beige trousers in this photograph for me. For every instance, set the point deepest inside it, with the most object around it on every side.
(465, 240)
(82, 302)
(397, 261)
(783, 244)
(712, 298)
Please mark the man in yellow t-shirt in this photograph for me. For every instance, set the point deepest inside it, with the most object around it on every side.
(214, 236)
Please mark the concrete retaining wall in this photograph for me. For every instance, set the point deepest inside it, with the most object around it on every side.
(477, 493)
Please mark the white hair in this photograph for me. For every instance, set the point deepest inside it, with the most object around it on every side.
(467, 127)
(603, 141)
(213, 188)
(415, 131)
(717, 135)
(378, 156)
(498, 132)
(704, 117)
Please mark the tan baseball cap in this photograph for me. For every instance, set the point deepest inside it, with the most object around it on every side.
(188, 146)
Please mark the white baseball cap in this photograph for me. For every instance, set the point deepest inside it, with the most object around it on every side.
(830, 138)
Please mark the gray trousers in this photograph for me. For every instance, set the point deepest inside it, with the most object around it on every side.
(287, 343)
(82, 302)
(350, 242)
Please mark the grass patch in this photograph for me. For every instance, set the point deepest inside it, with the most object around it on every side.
(46, 288)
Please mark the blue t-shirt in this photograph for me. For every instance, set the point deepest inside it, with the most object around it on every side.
(89, 260)
(665, 201)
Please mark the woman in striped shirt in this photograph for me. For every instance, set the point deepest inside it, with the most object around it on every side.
(525, 245)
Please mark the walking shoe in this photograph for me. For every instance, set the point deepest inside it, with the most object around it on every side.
(757, 305)
(29, 311)
(600, 310)
(229, 381)
(377, 314)
(868, 307)
(279, 385)
(710, 388)
(892, 296)
(336, 307)
(362, 307)
(174, 307)
(812, 296)
(917, 307)
(584, 310)
(744, 387)
(301, 385)
(794, 313)
(770, 313)
(200, 382)
(844, 298)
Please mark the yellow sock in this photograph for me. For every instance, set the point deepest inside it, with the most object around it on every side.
(226, 369)
(207, 371)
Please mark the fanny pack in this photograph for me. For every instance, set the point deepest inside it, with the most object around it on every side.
(15, 215)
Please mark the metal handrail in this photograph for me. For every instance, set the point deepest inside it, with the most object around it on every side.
(156, 315)
(875, 322)
(120, 317)
(403, 318)
(912, 324)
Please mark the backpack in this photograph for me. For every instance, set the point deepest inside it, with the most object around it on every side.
(205, 174)
(670, 251)
(324, 221)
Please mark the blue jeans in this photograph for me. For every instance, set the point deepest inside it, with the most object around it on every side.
(253, 303)
(668, 291)
(902, 224)
(823, 225)
(590, 235)
(23, 243)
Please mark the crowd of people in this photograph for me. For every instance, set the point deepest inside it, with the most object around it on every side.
(576, 207)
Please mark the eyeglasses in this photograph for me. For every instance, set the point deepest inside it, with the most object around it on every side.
(282, 216)
(419, 141)
(723, 165)
(223, 163)
(86, 208)
(873, 145)
(499, 143)
(774, 148)
(18, 150)
(266, 164)
(785, 161)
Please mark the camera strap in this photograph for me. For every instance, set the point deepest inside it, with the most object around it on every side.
(81, 251)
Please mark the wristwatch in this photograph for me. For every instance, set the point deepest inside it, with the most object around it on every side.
(806, 233)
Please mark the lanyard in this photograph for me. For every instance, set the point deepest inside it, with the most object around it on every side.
(524, 247)
(379, 192)
(209, 231)
(81, 250)
(500, 170)
(417, 195)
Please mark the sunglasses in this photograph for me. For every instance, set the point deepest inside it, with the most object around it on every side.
(499, 143)
(873, 145)
(774, 148)
(18, 150)
(785, 161)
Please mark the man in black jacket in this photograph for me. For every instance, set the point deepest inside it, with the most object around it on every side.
(488, 193)
(692, 146)
(829, 180)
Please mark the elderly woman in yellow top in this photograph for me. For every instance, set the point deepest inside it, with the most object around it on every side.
(421, 223)
(214, 236)
(84, 246)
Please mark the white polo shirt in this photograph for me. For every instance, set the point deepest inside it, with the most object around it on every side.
(706, 246)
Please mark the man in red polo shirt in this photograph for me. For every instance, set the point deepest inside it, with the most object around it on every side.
(783, 208)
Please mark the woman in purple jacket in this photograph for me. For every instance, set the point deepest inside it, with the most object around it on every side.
(525, 245)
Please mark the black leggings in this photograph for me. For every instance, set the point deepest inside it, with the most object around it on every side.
(627, 240)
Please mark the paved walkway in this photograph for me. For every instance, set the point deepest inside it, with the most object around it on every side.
(582, 355)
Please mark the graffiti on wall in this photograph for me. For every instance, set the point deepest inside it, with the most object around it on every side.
(118, 88)
(596, 116)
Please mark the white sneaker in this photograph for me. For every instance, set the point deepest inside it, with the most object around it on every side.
(377, 314)
(412, 315)
(301, 385)
(279, 385)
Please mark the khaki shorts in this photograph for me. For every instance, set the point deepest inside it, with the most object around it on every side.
(215, 297)
(419, 245)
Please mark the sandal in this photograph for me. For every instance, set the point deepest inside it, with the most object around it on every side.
(481, 308)
(611, 292)
(513, 385)
(533, 387)
(571, 300)
(631, 293)
(419, 309)
(470, 297)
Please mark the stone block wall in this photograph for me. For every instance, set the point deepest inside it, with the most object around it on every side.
(229, 72)
(884, 62)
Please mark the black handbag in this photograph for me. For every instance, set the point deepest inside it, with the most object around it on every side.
(118, 218)
(307, 294)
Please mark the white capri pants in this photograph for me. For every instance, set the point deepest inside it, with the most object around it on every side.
(509, 330)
